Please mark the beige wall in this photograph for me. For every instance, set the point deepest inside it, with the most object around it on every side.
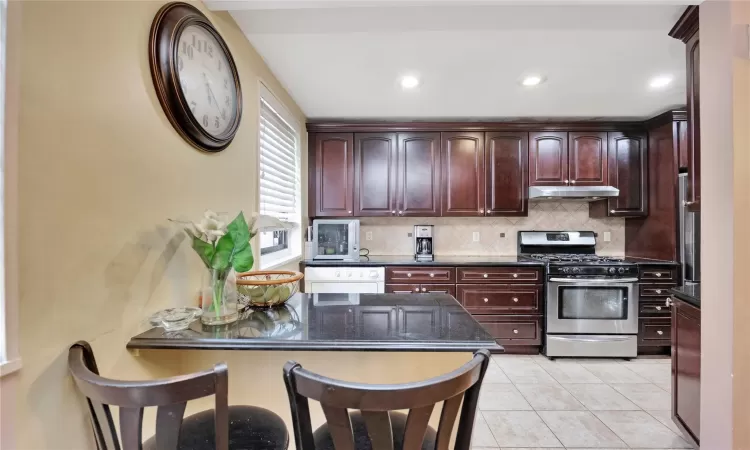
(101, 170)
(453, 235)
(725, 191)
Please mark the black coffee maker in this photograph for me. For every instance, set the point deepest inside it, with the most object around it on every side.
(423, 242)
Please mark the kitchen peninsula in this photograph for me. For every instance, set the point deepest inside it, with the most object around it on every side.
(368, 338)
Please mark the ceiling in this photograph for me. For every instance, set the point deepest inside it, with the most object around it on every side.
(346, 62)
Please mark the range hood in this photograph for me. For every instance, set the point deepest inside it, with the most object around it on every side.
(588, 193)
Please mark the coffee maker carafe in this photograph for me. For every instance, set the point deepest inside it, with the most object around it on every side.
(423, 243)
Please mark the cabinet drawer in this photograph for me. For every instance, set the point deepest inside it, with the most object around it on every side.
(655, 332)
(498, 274)
(655, 290)
(513, 330)
(420, 274)
(402, 288)
(653, 308)
(658, 274)
(489, 299)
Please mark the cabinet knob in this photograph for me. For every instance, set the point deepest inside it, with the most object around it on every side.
(515, 275)
(668, 302)
(432, 275)
(485, 275)
(658, 308)
(572, 181)
(393, 212)
(515, 299)
(566, 181)
(424, 289)
(481, 211)
(658, 291)
(486, 300)
(400, 212)
(659, 332)
(416, 289)
(515, 331)
(408, 274)
(611, 211)
(350, 212)
(688, 203)
(658, 275)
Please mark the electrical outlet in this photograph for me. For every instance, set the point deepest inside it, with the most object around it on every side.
(502, 235)
(368, 236)
(409, 234)
(475, 236)
(607, 236)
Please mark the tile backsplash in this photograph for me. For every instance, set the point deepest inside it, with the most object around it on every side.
(453, 235)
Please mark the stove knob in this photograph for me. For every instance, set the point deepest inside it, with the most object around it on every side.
(621, 270)
(576, 270)
(612, 270)
(566, 270)
(338, 274)
(373, 274)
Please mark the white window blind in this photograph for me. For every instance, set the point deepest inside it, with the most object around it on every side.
(279, 166)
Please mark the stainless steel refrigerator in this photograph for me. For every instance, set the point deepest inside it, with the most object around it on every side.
(690, 237)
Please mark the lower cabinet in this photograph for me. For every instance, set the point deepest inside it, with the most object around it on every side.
(449, 289)
(654, 310)
(686, 368)
(518, 334)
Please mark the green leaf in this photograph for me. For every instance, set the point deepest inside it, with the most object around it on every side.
(223, 253)
(204, 250)
(243, 260)
(238, 230)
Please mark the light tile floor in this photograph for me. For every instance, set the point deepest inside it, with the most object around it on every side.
(532, 403)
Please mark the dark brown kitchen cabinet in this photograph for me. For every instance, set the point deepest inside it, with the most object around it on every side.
(548, 159)
(375, 174)
(687, 30)
(506, 164)
(463, 174)
(686, 368)
(587, 159)
(418, 174)
(334, 174)
(627, 167)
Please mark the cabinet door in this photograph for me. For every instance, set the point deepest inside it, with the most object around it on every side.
(587, 159)
(418, 174)
(463, 174)
(374, 174)
(686, 367)
(418, 320)
(627, 172)
(506, 162)
(548, 159)
(694, 125)
(374, 321)
(334, 174)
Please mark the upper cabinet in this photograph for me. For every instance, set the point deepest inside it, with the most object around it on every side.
(587, 159)
(687, 31)
(463, 174)
(627, 172)
(418, 174)
(375, 174)
(334, 174)
(506, 162)
(548, 159)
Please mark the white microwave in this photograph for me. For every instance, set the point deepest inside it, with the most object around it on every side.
(336, 239)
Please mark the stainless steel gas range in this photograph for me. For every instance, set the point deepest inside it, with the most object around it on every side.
(592, 301)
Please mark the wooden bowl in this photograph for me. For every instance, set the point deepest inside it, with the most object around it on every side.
(267, 288)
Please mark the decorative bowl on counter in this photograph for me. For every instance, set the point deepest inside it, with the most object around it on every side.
(267, 288)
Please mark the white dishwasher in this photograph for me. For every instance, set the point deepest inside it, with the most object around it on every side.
(344, 280)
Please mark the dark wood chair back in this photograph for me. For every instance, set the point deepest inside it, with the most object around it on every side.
(170, 395)
(376, 401)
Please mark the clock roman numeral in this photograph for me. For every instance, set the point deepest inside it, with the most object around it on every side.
(193, 105)
(226, 83)
(180, 63)
(224, 114)
(216, 121)
(210, 51)
(219, 65)
(205, 120)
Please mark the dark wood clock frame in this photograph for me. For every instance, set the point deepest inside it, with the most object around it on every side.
(166, 29)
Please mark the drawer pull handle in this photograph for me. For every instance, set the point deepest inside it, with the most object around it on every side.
(438, 292)
(611, 211)
(659, 332)
(424, 289)
(658, 308)
(485, 275)
(515, 275)
(486, 299)
(668, 302)
(515, 331)
(408, 274)
(432, 275)
(515, 299)
(402, 292)
(658, 291)
(658, 274)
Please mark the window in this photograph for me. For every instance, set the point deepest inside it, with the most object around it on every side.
(280, 194)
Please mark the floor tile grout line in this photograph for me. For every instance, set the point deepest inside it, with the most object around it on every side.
(595, 417)
(484, 419)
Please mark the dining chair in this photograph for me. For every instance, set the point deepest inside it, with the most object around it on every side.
(222, 428)
(376, 423)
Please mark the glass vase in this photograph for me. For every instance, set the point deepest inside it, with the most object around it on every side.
(219, 297)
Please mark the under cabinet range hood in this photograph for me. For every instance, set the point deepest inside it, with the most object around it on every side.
(587, 193)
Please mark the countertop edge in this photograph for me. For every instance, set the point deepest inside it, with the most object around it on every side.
(331, 263)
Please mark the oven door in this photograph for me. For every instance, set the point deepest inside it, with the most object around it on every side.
(592, 306)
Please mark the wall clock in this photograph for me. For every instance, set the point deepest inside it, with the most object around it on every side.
(195, 77)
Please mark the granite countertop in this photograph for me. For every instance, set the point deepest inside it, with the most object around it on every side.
(690, 293)
(649, 261)
(333, 322)
(408, 260)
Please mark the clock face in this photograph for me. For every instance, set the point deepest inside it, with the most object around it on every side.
(206, 80)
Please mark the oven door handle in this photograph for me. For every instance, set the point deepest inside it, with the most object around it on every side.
(594, 280)
(591, 339)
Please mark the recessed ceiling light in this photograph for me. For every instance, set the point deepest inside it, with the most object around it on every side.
(409, 82)
(532, 80)
(661, 81)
